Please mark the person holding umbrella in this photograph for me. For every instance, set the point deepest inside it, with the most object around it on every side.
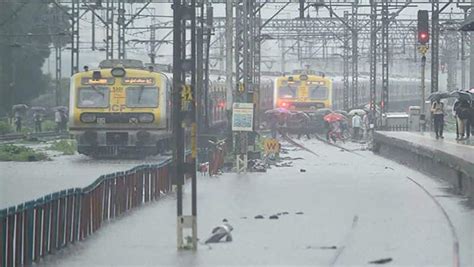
(437, 108)
(38, 120)
(18, 121)
(334, 121)
(18, 109)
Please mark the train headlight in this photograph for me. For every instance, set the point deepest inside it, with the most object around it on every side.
(88, 117)
(118, 72)
(146, 118)
(284, 104)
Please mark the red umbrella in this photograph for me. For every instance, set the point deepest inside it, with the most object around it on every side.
(332, 117)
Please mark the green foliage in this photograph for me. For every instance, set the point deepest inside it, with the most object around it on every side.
(68, 147)
(20, 153)
(49, 126)
(5, 127)
(25, 30)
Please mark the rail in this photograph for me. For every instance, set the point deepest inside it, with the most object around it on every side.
(20, 136)
(37, 228)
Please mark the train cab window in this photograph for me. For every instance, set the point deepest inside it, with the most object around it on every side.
(142, 97)
(93, 97)
(288, 91)
(318, 92)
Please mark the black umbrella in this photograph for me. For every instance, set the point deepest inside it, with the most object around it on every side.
(462, 95)
(436, 96)
(61, 108)
(38, 109)
(19, 107)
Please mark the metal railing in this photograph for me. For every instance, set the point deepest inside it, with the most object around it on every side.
(37, 228)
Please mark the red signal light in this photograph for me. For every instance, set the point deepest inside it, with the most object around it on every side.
(222, 104)
(423, 37)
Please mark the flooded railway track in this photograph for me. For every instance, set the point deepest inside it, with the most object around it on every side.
(455, 240)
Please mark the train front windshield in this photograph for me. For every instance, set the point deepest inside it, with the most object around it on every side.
(142, 96)
(318, 92)
(288, 91)
(93, 97)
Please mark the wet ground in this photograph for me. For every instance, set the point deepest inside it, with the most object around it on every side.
(355, 209)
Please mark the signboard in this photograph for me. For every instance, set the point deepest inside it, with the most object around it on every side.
(271, 146)
(92, 81)
(139, 81)
(242, 117)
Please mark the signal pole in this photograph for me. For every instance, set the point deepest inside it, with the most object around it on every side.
(423, 49)
(184, 113)
(423, 38)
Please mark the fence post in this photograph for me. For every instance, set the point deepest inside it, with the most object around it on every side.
(54, 222)
(11, 233)
(69, 214)
(38, 228)
(77, 215)
(19, 234)
(113, 197)
(146, 177)
(61, 218)
(29, 225)
(3, 237)
(105, 214)
(46, 225)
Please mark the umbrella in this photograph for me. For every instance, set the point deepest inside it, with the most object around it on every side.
(19, 107)
(462, 95)
(277, 111)
(334, 117)
(38, 109)
(61, 108)
(438, 96)
(300, 114)
(377, 108)
(358, 111)
(323, 111)
(342, 112)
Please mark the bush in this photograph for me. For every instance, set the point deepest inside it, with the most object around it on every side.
(68, 147)
(5, 127)
(20, 153)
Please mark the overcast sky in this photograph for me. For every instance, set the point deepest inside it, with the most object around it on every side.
(139, 51)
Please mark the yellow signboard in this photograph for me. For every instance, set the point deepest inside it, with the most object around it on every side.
(187, 93)
(271, 146)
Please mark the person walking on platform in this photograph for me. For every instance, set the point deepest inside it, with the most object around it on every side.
(437, 108)
(455, 106)
(462, 115)
(356, 125)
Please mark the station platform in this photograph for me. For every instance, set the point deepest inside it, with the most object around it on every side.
(444, 158)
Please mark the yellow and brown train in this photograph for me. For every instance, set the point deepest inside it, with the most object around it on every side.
(303, 92)
(120, 107)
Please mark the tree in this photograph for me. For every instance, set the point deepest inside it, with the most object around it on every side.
(27, 30)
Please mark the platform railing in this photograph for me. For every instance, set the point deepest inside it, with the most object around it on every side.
(37, 228)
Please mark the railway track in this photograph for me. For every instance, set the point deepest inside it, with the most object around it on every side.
(28, 136)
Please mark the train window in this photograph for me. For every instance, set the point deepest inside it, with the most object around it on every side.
(142, 97)
(93, 97)
(287, 91)
(318, 92)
